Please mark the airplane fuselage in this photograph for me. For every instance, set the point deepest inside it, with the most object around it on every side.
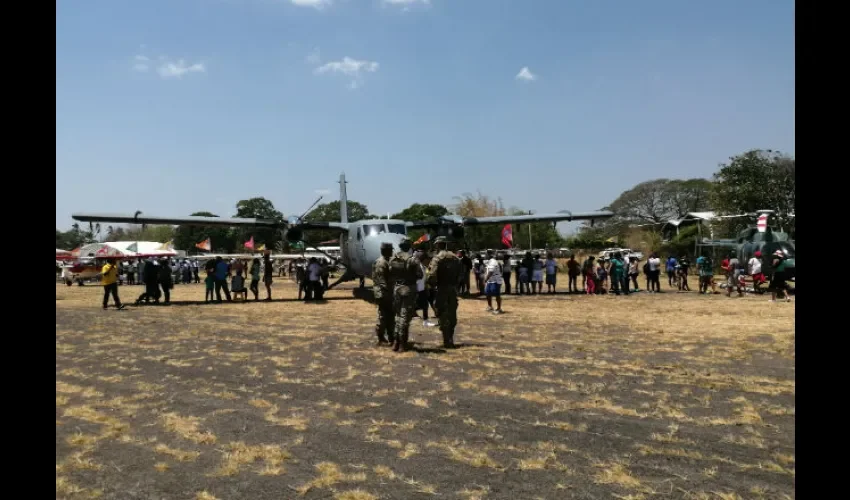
(361, 246)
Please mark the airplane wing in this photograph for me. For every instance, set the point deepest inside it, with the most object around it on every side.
(208, 221)
(564, 216)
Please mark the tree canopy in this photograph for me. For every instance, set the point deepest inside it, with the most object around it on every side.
(660, 200)
(330, 212)
(222, 239)
(256, 208)
(756, 180)
(421, 211)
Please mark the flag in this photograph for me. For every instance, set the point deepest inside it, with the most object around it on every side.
(422, 239)
(205, 245)
(165, 246)
(133, 247)
(250, 243)
(261, 248)
(507, 236)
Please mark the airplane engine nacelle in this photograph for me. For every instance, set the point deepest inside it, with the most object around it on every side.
(294, 235)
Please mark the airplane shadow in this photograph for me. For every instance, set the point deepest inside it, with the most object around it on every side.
(239, 302)
(417, 347)
(364, 294)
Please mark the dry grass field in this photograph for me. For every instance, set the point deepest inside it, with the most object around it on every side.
(647, 396)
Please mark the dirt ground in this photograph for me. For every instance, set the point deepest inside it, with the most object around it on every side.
(647, 396)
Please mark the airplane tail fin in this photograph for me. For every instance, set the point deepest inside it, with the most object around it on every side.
(343, 200)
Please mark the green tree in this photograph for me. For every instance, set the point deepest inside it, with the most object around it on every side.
(330, 212)
(660, 200)
(543, 234)
(257, 208)
(71, 239)
(134, 232)
(756, 180)
(652, 203)
(535, 235)
(480, 205)
(420, 212)
(186, 237)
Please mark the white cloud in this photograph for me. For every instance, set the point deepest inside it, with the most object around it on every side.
(314, 57)
(316, 4)
(349, 67)
(176, 69)
(526, 75)
(166, 67)
(142, 64)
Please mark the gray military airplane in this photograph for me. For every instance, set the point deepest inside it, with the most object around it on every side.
(360, 241)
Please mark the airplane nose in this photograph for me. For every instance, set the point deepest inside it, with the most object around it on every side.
(373, 243)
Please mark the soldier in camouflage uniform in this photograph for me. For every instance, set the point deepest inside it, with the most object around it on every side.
(404, 272)
(385, 325)
(443, 274)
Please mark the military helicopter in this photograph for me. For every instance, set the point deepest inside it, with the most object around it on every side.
(360, 241)
(762, 238)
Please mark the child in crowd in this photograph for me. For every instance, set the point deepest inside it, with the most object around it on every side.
(523, 277)
(209, 284)
(601, 277)
(237, 286)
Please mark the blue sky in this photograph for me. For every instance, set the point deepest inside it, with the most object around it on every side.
(177, 106)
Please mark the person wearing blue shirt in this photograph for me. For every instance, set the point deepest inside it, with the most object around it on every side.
(221, 269)
(671, 270)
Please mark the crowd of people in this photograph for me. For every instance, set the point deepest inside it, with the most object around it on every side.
(617, 274)
(160, 275)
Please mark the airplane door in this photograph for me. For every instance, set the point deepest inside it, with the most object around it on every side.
(360, 246)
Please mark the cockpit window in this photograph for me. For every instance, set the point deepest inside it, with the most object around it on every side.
(373, 229)
(397, 228)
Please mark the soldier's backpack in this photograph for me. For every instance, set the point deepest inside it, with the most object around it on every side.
(398, 268)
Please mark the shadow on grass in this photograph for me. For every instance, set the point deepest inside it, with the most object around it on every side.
(239, 302)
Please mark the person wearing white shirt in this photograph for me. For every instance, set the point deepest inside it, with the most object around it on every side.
(493, 282)
(314, 285)
(654, 273)
(754, 270)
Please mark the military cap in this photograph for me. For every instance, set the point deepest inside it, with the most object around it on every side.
(386, 245)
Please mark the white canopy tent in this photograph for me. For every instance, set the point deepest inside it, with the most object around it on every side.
(127, 249)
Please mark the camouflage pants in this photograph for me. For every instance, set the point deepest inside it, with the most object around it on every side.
(385, 324)
(404, 303)
(445, 306)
